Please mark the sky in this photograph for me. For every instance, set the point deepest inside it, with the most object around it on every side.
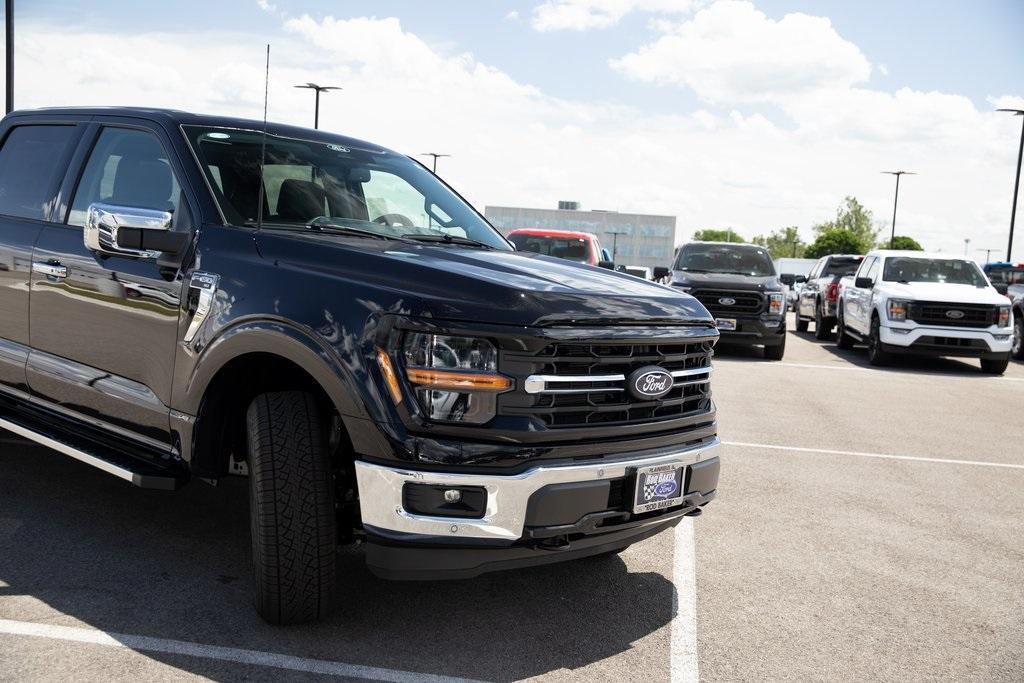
(725, 113)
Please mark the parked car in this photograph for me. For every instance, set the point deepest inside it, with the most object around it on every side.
(1003, 274)
(642, 272)
(917, 303)
(793, 284)
(582, 247)
(738, 284)
(819, 296)
(330, 319)
(1015, 293)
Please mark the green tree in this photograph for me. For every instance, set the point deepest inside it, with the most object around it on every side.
(852, 216)
(784, 243)
(716, 235)
(836, 241)
(907, 243)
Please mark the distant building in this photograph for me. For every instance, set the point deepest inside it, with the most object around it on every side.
(637, 239)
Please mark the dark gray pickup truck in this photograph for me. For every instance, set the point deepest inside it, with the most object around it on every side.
(818, 300)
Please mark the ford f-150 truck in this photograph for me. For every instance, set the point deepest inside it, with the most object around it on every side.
(917, 303)
(738, 284)
(1016, 295)
(819, 297)
(188, 297)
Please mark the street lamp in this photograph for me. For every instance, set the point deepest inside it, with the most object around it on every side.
(319, 89)
(892, 238)
(615, 240)
(1016, 182)
(988, 254)
(9, 22)
(436, 157)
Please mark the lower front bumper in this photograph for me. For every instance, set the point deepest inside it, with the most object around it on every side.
(769, 331)
(993, 342)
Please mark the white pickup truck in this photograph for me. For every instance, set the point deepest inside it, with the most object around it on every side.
(927, 304)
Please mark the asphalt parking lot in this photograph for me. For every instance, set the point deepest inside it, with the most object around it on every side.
(869, 524)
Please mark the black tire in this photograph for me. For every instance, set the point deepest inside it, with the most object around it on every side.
(776, 352)
(843, 340)
(1017, 351)
(876, 355)
(291, 507)
(995, 366)
(801, 324)
(822, 330)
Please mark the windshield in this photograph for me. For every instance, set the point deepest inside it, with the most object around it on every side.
(949, 271)
(332, 186)
(725, 258)
(572, 248)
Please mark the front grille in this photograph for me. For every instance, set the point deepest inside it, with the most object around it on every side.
(952, 314)
(745, 303)
(567, 385)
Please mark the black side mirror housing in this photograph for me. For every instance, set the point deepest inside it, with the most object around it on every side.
(801, 278)
(787, 279)
(610, 265)
(661, 272)
(864, 283)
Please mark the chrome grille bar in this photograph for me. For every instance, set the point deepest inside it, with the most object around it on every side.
(542, 384)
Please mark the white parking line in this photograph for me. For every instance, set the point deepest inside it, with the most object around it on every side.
(857, 368)
(227, 654)
(886, 456)
(683, 644)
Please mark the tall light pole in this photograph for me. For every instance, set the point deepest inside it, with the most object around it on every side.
(895, 203)
(1016, 182)
(436, 157)
(319, 89)
(615, 240)
(967, 245)
(9, 24)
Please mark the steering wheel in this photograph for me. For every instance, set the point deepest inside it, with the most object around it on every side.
(395, 219)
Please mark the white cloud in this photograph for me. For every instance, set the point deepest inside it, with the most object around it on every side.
(731, 52)
(581, 15)
(512, 16)
(514, 144)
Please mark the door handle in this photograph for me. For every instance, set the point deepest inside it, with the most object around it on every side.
(50, 269)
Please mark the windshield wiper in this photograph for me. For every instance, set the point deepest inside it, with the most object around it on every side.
(446, 239)
(325, 224)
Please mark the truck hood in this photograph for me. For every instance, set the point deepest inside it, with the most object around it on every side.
(483, 285)
(944, 292)
(760, 283)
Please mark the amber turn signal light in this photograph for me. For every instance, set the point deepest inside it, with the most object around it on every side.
(464, 381)
(390, 376)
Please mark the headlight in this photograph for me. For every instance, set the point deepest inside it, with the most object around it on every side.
(455, 379)
(1004, 316)
(897, 310)
(776, 303)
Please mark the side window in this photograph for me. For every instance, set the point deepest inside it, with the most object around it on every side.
(816, 271)
(127, 168)
(31, 166)
(873, 269)
(864, 265)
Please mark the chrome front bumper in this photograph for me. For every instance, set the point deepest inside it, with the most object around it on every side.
(380, 494)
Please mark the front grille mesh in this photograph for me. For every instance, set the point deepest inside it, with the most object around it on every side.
(746, 302)
(608, 403)
(966, 315)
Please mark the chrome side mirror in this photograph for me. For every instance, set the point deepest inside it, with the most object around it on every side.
(128, 231)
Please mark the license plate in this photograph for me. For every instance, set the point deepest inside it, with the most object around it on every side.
(658, 487)
(725, 323)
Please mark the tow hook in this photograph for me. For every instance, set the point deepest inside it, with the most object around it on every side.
(554, 543)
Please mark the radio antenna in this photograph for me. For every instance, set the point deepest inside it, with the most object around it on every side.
(263, 143)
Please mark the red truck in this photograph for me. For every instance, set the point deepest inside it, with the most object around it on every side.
(582, 247)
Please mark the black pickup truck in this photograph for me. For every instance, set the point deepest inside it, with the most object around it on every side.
(191, 297)
(739, 285)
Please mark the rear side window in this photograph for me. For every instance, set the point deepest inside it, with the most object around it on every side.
(31, 166)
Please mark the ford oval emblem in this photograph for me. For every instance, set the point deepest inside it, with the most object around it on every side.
(954, 314)
(650, 382)
(665, 488)
(727, 301)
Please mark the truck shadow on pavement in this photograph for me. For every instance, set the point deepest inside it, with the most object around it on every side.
(126, 560)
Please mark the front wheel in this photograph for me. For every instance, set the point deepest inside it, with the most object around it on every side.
(801, 324)
(876, 355)
(291, 506)
(1017, 350)
(776, 352)
(995, 366)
